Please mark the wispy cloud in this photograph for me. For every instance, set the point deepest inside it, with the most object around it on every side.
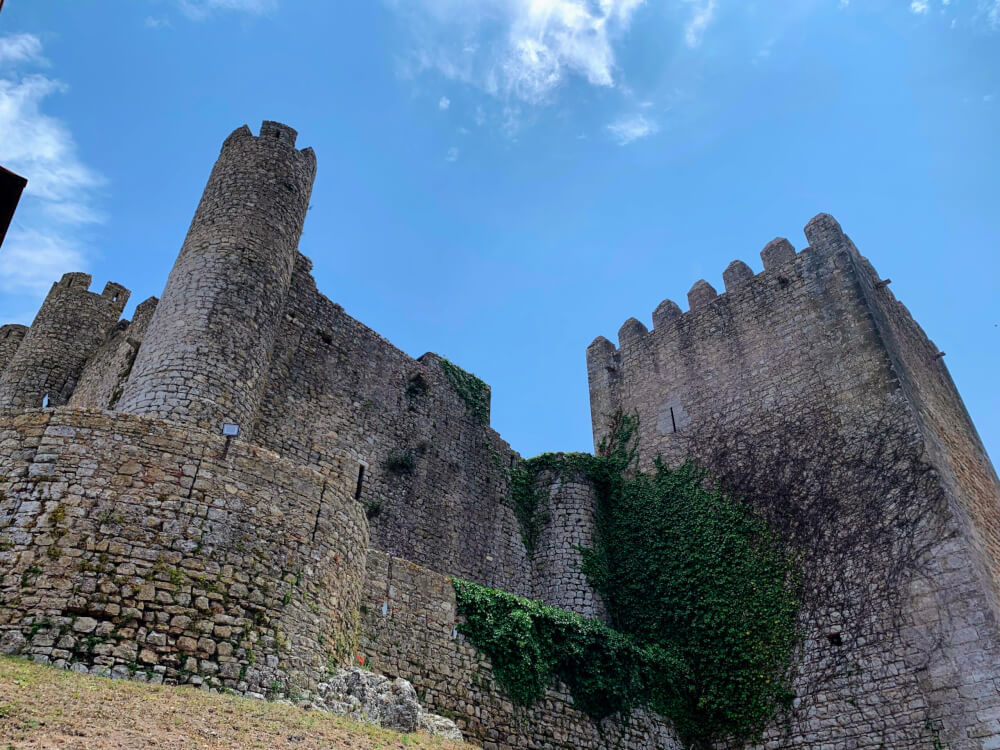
(157, 23)
(199, 9)
(444, 102)
(452, 154)
(518, 50)
(31, 260)
(701, 17)
(42, 242)
(21, 48)
(991, 9)
(920, 7)
(631, 128)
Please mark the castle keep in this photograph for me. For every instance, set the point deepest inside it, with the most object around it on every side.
(139, 536)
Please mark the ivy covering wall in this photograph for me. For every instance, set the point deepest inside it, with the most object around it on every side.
(703, 601)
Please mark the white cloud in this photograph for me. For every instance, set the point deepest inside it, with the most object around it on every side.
(694, 31)
(39, 146)
(21, 48)
(992, 10)
(920, 7)
(630, 128)
(31, 260)
(61, 188)
(519, 50)
(452, 154)
(199, 9)
(444, 102)
(157, 23)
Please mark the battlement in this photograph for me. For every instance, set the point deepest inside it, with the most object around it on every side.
(79, 283)
(825, 237)
(273, 135)
(70, 326)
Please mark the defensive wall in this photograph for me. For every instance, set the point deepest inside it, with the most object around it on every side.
(11, 336)
(813, 367)
(70, 325)
(130, 545)
(137, 539)
(408, 629)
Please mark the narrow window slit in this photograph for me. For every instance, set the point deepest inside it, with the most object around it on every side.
(361, 481)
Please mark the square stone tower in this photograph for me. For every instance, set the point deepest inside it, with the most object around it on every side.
(810, 390)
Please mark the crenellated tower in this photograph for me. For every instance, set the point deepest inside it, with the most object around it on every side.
(204, 358)
(69, 327)
(809, 388)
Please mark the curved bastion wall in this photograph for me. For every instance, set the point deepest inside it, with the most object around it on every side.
(133, 546)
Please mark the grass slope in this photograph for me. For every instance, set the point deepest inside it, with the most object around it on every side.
(43, 707)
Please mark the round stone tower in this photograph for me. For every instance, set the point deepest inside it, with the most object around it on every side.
(204, 358)
(71, 324)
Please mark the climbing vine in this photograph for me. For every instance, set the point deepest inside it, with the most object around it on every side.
(473, 391)
(526, 497)
(702, 596)
(530, 644)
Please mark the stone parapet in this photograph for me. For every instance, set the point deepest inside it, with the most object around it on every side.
(134, 545)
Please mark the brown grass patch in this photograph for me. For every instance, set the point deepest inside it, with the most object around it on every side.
(42, 707)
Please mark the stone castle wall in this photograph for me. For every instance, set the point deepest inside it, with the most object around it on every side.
(408, 630)
(130, 545)
(104, 376)
(11, 336)
(732, 382)
(136, 539)
(436, 480)
(71, 324)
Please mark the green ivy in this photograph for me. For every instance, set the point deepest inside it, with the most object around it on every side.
(527, 499)
(530, 644)
(702, 599)
(473, 391)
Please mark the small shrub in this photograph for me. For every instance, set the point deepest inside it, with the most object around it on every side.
(400, 462)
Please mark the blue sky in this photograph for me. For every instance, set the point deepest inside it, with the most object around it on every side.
(501, 181)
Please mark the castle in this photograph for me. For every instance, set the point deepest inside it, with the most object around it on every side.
(243, 485)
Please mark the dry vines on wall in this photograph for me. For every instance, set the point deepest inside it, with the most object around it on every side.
(860, 507)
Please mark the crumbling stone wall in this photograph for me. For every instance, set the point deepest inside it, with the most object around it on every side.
(133, 545)
(408, 630)
(71, 324)
(804, 343)
(103, 378)
(11, 336)
(436, 480)
(204, 359)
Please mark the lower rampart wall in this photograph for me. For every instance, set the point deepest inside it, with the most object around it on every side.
(408, 622)
(129, 545)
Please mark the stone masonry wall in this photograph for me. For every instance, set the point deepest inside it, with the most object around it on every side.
(733, 381)
(71, 324)
(103, 378)
(568, 508)
(204, 359)
(949, 434)
(408, 630)
(132, 545)
(11, 336)
(436, 480)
